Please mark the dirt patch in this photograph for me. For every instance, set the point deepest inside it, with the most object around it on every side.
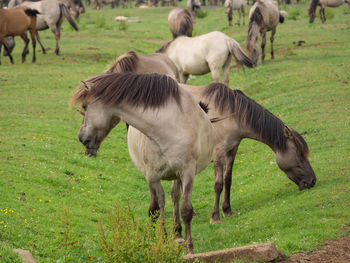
(334, 251)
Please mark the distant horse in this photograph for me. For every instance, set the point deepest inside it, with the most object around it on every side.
(180, 22)
(236, 117)
(170, 137)
(17, 22)
(203, 54)
(263, 17)
(193, 6)
(323, 4)
(235, 5)
(153, 63)
(52, 16)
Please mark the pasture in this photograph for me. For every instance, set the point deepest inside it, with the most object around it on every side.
(67, 193)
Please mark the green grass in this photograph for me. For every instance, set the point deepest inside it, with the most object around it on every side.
(68, 193)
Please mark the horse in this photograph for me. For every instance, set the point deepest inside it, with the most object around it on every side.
(235, 5)
(170, 137)
(205, 53)
(52, 16)
(193, 6)
(153, 63)
(323, 4)
(16, 22)
(180, 22)
(235, 117)
(263, 17)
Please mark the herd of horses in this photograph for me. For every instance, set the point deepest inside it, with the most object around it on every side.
(174, 129)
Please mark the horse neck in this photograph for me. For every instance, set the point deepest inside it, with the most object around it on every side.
(313, 5)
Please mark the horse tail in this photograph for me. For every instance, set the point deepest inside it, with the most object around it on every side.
(186, 25)
(31, 12)
(283, 14)
(237, 52)
(65, 12)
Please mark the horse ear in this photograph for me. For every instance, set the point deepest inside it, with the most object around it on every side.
(288, 132)
(86, 86)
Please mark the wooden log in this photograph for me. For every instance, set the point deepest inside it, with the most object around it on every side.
(258, 252)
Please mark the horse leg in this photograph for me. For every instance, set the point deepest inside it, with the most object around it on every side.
(226, 69)
(226, 204)
(175, 196)
(39, 40)
(229, 15)
(25, 50)
(183, 77)
(324, 14)
(57, 35)
(32, 35)
(219, 184)
(273, 31)
(243, 12)
(263, 43)
(215, 73)
(239, 17)
(186, 208)
(153, 210)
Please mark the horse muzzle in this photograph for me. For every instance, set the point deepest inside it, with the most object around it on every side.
(307, 185)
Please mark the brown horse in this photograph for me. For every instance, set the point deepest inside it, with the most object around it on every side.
(323, 4)
(153, 63)
(170, 136)
(236, 117)
(180, 22)
(16, 22)
(263, 17)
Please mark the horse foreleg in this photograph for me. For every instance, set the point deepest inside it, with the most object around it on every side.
(229, 15)
(226, 203)
(324, 14)
(153, 210)
(32, 35)
(239, 17)
(263, 43)
(25, 49)
(271, 41)
(57, 35)
(186, 208)
(219, 184)
(41, 44)
(175, 196)
(243, 12)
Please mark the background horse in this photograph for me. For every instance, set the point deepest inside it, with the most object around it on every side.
(263, 17)
(170, 137)
(17, 22)
(153, 63)
(193, 6)
(180, 22)
(203, 54)
(323, 4)
(238, 117)
(52, 15)
(235, 5)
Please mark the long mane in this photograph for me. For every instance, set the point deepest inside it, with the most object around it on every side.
(124, 63)
(269, 128)
(185, 25)
(165, 47)
(144, 90)
(255, 21)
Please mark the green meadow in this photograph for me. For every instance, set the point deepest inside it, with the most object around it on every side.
(68, 194)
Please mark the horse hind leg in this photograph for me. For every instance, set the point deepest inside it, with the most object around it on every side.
(226, 70)
(271, 41)
(219, 184)
(175, 196)
(226, 203)
(263, 44)
(41, 44)
(32, 35)
(243, 12)
(239, 17)
(25, 49)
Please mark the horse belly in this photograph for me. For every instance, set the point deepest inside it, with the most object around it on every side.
(236, 4)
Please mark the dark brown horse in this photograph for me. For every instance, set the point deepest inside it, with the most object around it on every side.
(236, 117)
(16, 22)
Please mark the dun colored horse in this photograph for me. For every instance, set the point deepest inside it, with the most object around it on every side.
(203, 54)
(235, 117)
(52, 15)
(170, 136)
(153, 63)
(263, 17)
(323, 4)
(180, 22)
(235, 5)
(16, 22)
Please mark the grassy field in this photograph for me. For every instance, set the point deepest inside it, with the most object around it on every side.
(68, 193)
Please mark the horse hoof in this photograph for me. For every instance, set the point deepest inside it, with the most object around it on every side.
(180, 240)
(229, 214)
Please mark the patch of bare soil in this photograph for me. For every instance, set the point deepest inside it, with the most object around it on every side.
(334, 251)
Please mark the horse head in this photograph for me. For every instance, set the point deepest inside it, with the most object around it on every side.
(294, 160)
(98, 121)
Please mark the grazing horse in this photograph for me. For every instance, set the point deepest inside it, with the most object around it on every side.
(153, 63)
(263, 17)
(52, 15)
(235, 117)
(16, 22)
(323, 4)
(235, 5)
(193, 6)
(203, 54)
(180, 22)
(170, 136)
